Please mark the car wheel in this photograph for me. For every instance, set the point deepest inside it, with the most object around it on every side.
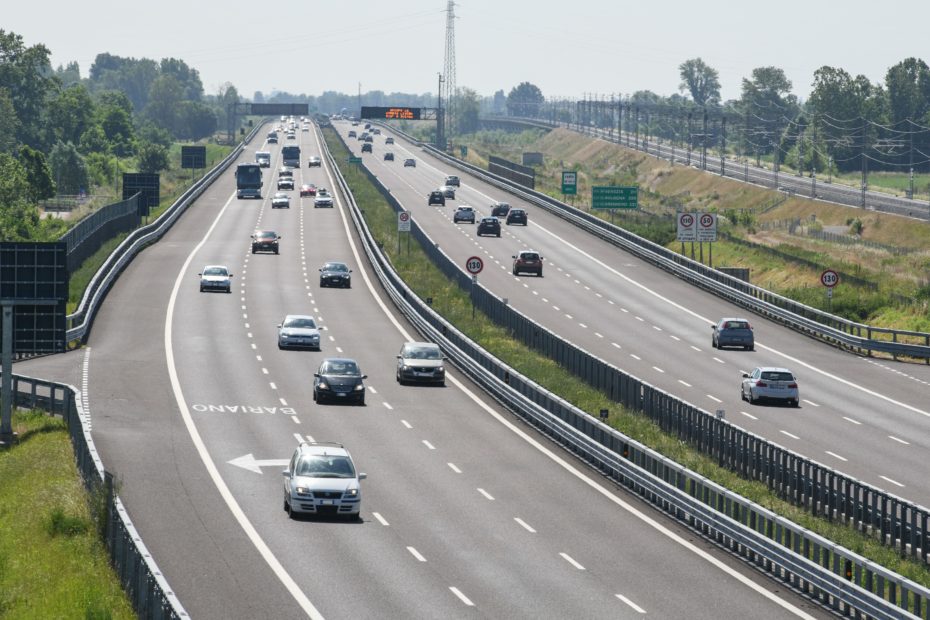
(316, 398)
(276, 252)
(514, 272)
(228, 289)
(253, 250)
(498, 235)
(795, 404)
(751, 347)
(540, 273)
(752, 399)
(201, 289)
(742, 394)
(713, 344)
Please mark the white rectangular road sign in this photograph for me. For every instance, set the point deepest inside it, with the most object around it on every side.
(707, 227)
(403, 221)
(687, 227)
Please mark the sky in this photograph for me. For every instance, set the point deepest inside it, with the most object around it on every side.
(567, 49)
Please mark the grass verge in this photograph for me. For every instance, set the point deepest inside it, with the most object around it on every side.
(452, 303)
(52, 561)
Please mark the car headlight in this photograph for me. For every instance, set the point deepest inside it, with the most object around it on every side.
(440, 369)
(303, 491)
(405, 367)
(351, 493)
(323, 385)
(359, 387)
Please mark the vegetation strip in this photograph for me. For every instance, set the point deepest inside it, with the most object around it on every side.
(427, 281)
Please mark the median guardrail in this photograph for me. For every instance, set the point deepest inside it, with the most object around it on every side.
(800, 317)
(811, 564)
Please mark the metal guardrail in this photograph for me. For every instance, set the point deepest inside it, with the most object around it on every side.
(800, 317)
(147, 589)
(80, 321)
(807, 562)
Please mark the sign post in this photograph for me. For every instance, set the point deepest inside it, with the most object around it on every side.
(707, 231)
(403, 225)
(829, 279)
(569, 182)
(474, 265)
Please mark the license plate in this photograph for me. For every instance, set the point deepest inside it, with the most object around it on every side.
(424, 374)
(326, 502)
(340, 393)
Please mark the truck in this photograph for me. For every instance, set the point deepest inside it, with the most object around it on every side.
(248, 181)
(290, 156)
(263, 159)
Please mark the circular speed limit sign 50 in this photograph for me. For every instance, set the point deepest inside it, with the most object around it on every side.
(474, 265)
(707, 220)
(829, 278)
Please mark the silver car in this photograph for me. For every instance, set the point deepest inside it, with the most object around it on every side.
(298, 330)
(730, 332)
(322, 200)
(215, 278)
(321, 479)
(421, 362)
(281, 200)
(770, 383)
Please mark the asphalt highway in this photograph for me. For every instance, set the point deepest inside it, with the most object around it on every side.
(465, 511)
(866, 417)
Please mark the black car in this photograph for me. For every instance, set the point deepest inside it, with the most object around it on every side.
(516, 216)
(437, 198)
(335, 274)
(352, 134)
(272, 139)
(339, 379)
(265, 241)
(389, 156)
(366, 148)
(528, 261)
(489, 226)
(500, 209)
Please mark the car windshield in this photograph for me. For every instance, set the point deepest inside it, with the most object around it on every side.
(214, 271)
(280, 195)
(324, 466)
(423, 353)
(774, 375)
(340, 267)
(342, 368)
(300, 322)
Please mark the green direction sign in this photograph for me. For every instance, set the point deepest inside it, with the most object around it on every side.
(569, 182)
(614, 197)
(355, 160)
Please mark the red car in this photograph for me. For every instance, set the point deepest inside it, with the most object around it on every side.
(307, 190)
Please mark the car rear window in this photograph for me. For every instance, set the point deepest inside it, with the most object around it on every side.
(736, 325)
(777, 376)
(529, 256)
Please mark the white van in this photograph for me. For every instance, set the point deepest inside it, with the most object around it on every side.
(263, 159)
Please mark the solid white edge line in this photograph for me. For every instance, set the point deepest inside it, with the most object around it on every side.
(201, 447)
(559, 460)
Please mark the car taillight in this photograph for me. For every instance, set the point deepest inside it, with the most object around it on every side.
(761, 384)
(792, 385)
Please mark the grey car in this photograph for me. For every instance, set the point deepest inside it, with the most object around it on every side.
(321, 479)
(421, 362)
(770, 383)
(298, 330)
(730, 332)
(335, 274)
(339, 379)
(215, 278)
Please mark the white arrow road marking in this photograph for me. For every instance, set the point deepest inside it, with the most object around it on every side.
(252, 464)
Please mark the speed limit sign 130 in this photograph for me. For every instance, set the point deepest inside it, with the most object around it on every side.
(474, 265)
(829, 278)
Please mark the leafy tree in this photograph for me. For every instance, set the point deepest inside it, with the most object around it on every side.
(165, 97)
(768, 88)
(152, 157)
(38, 174)
(466, 111)
(93, 141)
(68, 168)
(187, 78)
(524, 100)
(9, 123)
(18, 218)
(908, 87)
(114, 118)
(71, 113)
(500, 102)
(130, 76)
(150, 132)
(701, 80)
(101, 168)
(25, 73)
(196, 120)
(68, 76)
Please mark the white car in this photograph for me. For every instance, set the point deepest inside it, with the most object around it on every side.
(280, 201)
(321, 479)
(322, 200)
(215, 278)
(298, 330)
(770, 383)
